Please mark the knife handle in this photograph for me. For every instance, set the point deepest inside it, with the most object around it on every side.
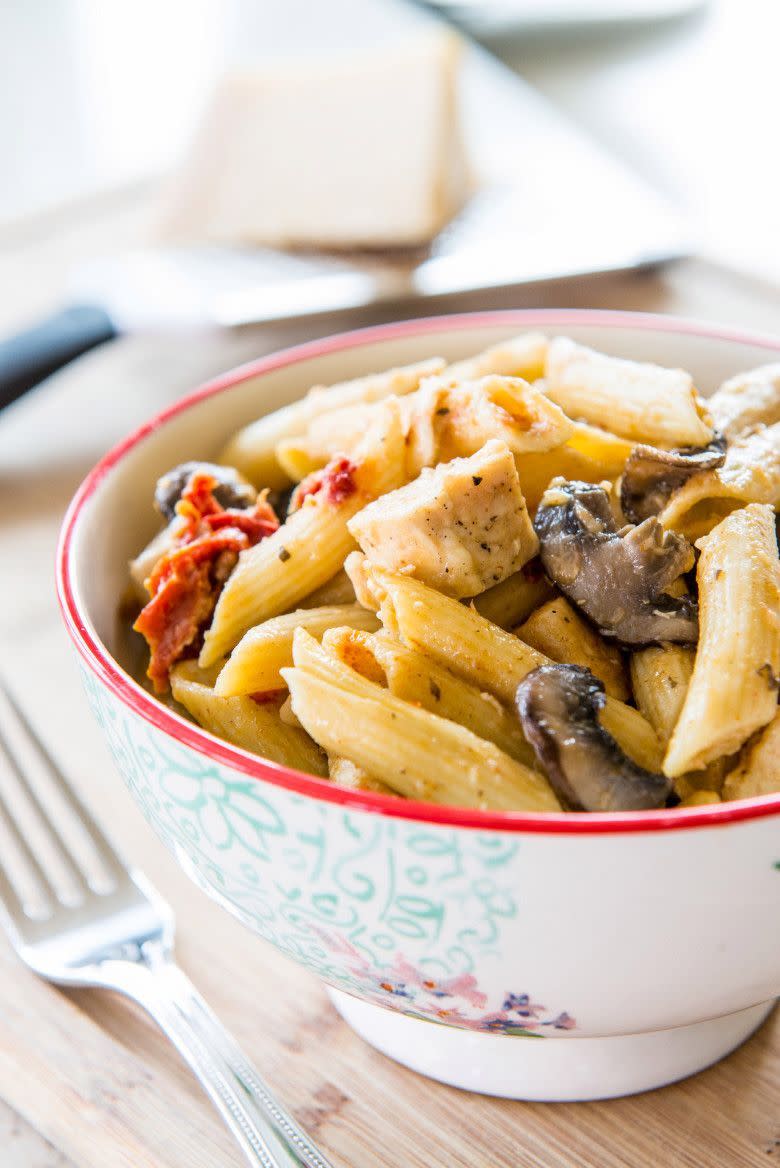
(28, 357)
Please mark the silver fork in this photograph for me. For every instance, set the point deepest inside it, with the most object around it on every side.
(117, 933)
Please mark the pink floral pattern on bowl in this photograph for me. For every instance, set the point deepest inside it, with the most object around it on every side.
(401, 986)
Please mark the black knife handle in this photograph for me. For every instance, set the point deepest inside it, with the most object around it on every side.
(28, 357)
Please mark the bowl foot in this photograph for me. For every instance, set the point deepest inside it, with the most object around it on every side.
(549, 1069)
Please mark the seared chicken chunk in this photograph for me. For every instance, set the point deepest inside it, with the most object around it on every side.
(460, 527)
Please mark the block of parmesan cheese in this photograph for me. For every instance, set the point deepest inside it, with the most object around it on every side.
(361, 150)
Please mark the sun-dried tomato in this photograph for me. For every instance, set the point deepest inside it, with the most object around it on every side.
(335, 483)
(186, 581)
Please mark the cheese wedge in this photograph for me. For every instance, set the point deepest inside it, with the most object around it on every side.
(362, 151)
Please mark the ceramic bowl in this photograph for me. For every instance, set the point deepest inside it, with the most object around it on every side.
(533, 956)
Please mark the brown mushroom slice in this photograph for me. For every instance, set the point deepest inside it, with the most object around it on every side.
(651, 476)
(558, 707)
(232, 489)
(618, 579)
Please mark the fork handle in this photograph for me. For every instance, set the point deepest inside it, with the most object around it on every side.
(267, 1134)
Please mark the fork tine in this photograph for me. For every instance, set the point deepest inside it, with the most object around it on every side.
(10, 900)
(11, 714)
(21, 843)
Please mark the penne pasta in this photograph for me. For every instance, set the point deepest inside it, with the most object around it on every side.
(419, 754)
(348, 774)
(604, 449)
(700, 798)
(536, 471)
(337, 590)
(505, 604)
(747, 401)
(252, 450)
(528, 510)
(758, 770)
(558, 630)
(411, 675)
(660, 676)
(523, 356)
(310, 547)
(460, 639)
(253, 666)
(244, 722)
(455, 421)
(338, 430)
(733, 689)
(750, 474)
(509, 603)
(441, 421)
(637, 401)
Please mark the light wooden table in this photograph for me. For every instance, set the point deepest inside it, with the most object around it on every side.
(86, 1070)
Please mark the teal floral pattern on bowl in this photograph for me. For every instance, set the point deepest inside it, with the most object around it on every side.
(395, 911)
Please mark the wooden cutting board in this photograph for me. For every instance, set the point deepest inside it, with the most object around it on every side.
(87, 1070)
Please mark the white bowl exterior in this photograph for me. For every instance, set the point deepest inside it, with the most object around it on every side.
(508, 932)
(502, 931)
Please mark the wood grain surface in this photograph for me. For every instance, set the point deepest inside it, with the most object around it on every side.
(90, 1073)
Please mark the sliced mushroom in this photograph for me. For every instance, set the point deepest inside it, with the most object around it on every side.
(558, 707)
(233, 490)
(617, 578)
(651, 476)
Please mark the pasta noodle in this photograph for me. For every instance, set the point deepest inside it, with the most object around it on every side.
(634, 400)
(480, 592)
(750, 474)
(733, 689)
(523, 356)
(337, 590)
(486, 655)
(414, 677)
(747, 401)
(605, 450)
(509, 603)
(253, 666)
(557, 630)
(419, 754)
(441, 421)
(660, 676)
(244, 722)
(758, 771)
(536, 471)
(309, 548)
(347, 774)
(253, 449)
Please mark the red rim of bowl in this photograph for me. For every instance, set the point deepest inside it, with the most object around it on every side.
(131, 694)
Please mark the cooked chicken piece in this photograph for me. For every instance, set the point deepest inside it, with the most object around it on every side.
(460, 528)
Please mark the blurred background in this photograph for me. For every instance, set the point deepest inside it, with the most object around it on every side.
(99, 100)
